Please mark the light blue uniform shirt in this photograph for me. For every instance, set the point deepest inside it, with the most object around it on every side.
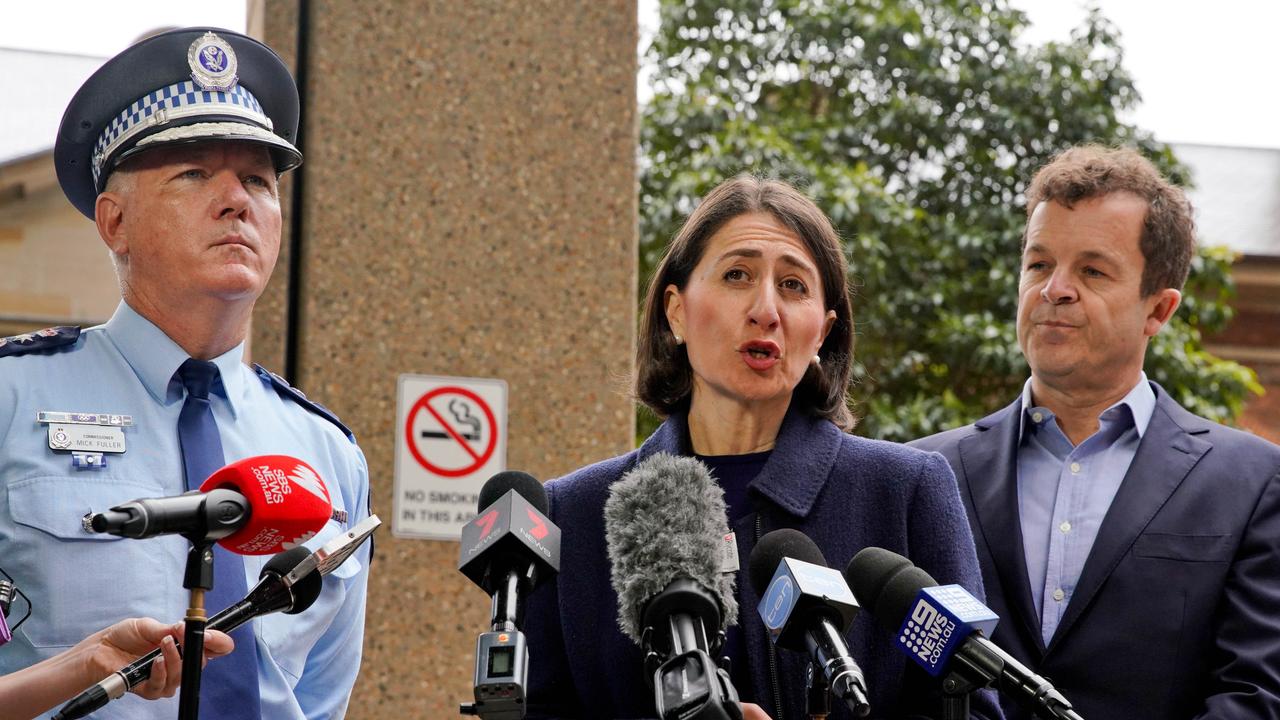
(1064, 491)
(80, 582)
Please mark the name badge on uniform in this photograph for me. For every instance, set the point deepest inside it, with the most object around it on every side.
(88, 437)
(729, 554)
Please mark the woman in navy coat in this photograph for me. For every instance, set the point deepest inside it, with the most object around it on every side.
(746, 350)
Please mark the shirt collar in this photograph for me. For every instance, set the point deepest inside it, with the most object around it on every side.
(1141, 401)
(155, 358)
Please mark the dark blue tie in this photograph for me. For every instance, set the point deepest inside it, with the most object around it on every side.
(229, 686)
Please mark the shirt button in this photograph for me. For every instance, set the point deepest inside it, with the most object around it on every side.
(1058, 594)
(1065, 526)
(1038, 417)
(1075, 468)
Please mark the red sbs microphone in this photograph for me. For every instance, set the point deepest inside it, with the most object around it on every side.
(288, 503)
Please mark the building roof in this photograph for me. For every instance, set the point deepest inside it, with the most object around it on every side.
(37, 86)
(1236, 196)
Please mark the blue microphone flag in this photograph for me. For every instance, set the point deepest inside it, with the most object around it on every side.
(796, 582)
(941, 617)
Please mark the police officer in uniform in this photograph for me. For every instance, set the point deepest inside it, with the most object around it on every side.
(174, 149)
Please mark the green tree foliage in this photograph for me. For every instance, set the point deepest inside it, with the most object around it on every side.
(916, 125)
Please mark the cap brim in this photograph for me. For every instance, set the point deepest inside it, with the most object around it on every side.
(284, 155)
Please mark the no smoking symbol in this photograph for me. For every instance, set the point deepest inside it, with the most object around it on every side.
(448, 419)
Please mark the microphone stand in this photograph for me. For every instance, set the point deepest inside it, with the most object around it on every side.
(955, 696)
(198, 578)
(817, 693)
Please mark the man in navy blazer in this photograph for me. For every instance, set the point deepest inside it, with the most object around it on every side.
(1131, 548)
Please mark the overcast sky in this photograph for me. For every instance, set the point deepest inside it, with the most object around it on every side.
(1206, 70)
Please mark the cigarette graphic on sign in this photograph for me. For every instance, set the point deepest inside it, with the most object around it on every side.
(462, 414)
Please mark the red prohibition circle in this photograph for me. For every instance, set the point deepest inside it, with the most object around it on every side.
(480, 459)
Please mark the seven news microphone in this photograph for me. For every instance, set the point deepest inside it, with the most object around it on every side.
(508, 550)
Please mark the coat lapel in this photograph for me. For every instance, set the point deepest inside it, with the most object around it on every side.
(800, 464)
(989, 459)
(1165, 457)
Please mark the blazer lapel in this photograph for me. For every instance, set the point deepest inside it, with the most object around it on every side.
(1165, 456)
(989, 458)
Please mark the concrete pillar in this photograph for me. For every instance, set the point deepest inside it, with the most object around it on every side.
(469, 209)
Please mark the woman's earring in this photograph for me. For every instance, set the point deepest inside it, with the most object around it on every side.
(817, 361)
(679, 340)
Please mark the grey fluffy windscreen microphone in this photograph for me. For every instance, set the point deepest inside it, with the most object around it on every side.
(664, 528)
(665, 520)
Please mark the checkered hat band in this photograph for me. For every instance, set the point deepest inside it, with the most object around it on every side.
(180, 100)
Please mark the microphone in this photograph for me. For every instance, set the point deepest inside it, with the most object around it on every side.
(290, 582)
(941, 628)
(664, 528)
(807, 607)
(7, 589)
(508, 550)
(269, 595)
(256, 506)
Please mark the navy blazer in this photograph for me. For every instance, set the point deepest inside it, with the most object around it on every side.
(1174, 615)
(844, 492)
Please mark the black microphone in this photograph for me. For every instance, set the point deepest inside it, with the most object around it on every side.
(290, 582)
(941, 629)
(508, 550)
(210, 515)
(664, 528)
(807, 607)
(271, 594)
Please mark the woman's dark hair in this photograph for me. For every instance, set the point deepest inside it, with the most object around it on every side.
(664, 378)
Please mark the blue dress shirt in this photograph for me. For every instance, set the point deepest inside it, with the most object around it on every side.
(1064, 491)
(80, 582)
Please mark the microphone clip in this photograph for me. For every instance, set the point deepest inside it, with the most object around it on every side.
(690, 686)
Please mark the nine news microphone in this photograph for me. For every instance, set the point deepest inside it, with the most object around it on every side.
(807, 607)
(256, 506)
(942, 627)
(508, 550)
(290, 583)
(664, 528)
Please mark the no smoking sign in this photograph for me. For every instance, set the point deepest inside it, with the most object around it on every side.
(451, 438)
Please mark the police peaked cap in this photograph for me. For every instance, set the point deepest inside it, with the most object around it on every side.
(182, 86)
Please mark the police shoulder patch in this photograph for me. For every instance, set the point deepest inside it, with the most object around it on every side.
(39, 341)
(284, 389)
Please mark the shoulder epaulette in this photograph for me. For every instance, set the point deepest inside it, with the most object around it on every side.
(39, 341)
(283, 387)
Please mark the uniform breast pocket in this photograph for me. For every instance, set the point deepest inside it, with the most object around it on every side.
(80, 581)
(290, 638)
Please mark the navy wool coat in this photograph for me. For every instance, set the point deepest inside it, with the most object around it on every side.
(844, 492)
